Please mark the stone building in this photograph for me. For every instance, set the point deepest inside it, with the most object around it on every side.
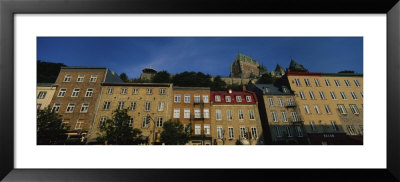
(77, 95)
(191, 105)
(279, 71)
(235, 118)
(147, 73)
(281, 121)
(331, 106)
(141, 100)
(44, 94)
(246, 67)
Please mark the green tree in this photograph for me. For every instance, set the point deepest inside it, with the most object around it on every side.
(50, 129)
(192, 79)
(116, 131)
(267, 79)
(124, 77)
(162, 77)
(218, 84)
(47, 72)
(174, 133)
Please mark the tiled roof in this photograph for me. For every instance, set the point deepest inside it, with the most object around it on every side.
(233, 95)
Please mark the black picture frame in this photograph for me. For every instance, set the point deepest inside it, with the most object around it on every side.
(8, 8)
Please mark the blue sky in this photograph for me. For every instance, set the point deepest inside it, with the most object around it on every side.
(211, 55)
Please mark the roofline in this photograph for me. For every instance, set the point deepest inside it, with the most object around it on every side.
(191, 88)
(322, 74)
(81, 67)
(137, 84)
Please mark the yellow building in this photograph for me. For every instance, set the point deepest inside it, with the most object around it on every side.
(141, 100)
(281, 120)
(331, 106)
(235, 118)
(44, 94)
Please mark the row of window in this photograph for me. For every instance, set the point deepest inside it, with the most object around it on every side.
(332, 93)
(186, 113)
(274, 114)
(135, 91)
(145, 121)
(349, 128)
(280, 102)
(78, 124)
(75, 92)
(177, 98)
(132, 106)
(333, 124)
(243, 133)
(342, 109)
(80, 78)
(70, 108)
(287, 131)
(42, 94)
(327, 82)
(230, 117)
(228, 98)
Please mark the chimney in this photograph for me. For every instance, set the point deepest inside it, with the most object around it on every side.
(230, 91)
(244, 88)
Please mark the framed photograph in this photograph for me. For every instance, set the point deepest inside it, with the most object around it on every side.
(30, 28)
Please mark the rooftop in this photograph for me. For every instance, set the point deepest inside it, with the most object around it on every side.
(137, 84)
(191, 88)
(233, 95)
(272, 89)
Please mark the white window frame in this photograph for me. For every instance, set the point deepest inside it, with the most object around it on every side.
(207, 129)
(220, 132)
(177, 98)
(307, 82)
(110, 90)
(67, 78)
(229, 115)
(197, 129)
(347, 83)
(162, 91)
(197, 113)
(307, 109)
(218, 114)
(106, 105)
(130, 122)
(274, 116)
(147, 106)
(254, 133)
(322, 95)
(56, 107)
(299, 131)
(124, 91)
(121, 105)
(70, 108)
(42, 95)
(333, 95)
(241, 114)
(353, 94)
(290, 102)
(230, 132)
(80, 78)
(145, 122)
(302, 96)
(288, 131)
(205, 98)
(186, 113)
(197, 98)
(133, 106)
(337, 82)
(280, 101)
(135, 91)
(334, 126)
(351, 129)
(354, 109)
(62, 92)
(217, 98)
(343, 95)
(342, 109)
(186, 98)
(295, 117)
(177, 112)
(317, 109)
(84, 108)
(78, 124)
(159, 122)
(278, 132)
(251, 115)
(317, 82)
(312, 96)
(243, 132)
(239, 98)
(103, 120)
(271, 102)
(327, 109)
(93, 78)
(284, 116)
(160, 106)
(206, 113)
(228, 98)
(312, 126)
(327, 82)
(149, 91)
(248, 98)
(75, 92)
(357, 83)
(297, 82)
(89, 92)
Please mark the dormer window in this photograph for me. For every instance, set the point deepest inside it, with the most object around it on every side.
(228, 98)
(218, 98)
(248, 98)
(266, 90)
(285, 90)
(239, 98)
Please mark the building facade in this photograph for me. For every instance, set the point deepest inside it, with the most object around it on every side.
(246, 67)
(191, 105)
(281, 120)
(141, 100)
(235, 118)
(331, 106)
(44, 94)
(76, 97)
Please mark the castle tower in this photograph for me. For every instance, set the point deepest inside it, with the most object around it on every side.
(244, 67)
